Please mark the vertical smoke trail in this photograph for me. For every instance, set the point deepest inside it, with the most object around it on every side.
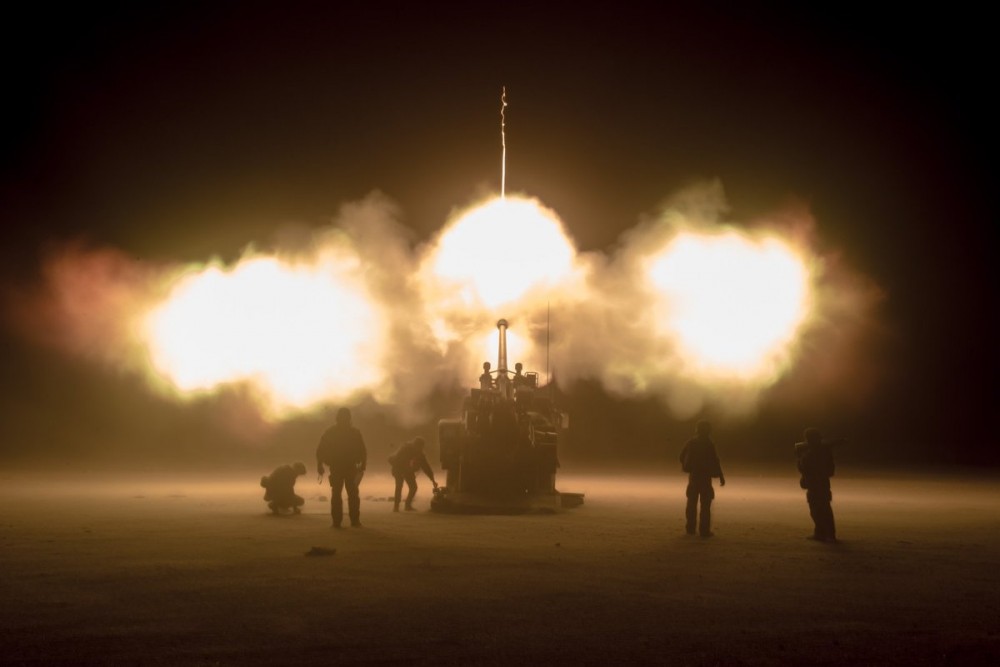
(503, 144)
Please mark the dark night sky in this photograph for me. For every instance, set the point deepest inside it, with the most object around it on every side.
(179, 131)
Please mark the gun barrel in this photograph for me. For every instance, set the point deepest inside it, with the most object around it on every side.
(502, 351)
(503, 380)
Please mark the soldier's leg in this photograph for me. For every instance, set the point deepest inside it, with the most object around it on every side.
(398, 494)
(336, 500)
(705, 522)
(282, 501)
(819, 498)
(691, 511)
(815, 513)
(353, 499)
(411, 485)
(829, 530)
(269, 497)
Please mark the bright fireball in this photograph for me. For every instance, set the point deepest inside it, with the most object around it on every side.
(298, 332)
(732, 304)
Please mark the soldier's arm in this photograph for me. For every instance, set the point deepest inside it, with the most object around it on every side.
(319, 460)
(426, 467)
(363, 452)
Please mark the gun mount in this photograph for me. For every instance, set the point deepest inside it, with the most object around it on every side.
(501, 454)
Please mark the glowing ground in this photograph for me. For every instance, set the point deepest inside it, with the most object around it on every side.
(186, 572)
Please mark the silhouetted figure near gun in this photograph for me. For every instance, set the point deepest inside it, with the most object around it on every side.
(280, 488)
(700, 460)
(815, 461)
(519, 379)
(407, 460)
(343, 449)
(485, 380)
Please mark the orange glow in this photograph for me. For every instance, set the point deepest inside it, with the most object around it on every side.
(299, 332)
(502, 258)
(518, 348)
(732, 304)
(499, 253)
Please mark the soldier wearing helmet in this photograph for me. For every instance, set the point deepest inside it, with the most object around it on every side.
(279, 488)
(343, 449)
(485, 380)
(519, 379)
(700, 460)
(814, 459)
(407, 460)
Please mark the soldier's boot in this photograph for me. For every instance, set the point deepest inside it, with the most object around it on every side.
(410, 507)
(395, 506)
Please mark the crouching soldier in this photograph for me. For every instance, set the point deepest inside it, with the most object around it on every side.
(407, 460)
(280, 488)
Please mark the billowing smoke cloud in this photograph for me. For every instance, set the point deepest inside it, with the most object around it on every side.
(415, 366)
(360, 309)
(89, 304)
(697, 310)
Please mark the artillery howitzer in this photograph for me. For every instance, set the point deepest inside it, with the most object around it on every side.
(501, 455)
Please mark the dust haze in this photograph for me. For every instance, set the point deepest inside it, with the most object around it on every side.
(160, 569)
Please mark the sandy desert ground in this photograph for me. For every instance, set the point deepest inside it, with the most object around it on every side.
(143, 571)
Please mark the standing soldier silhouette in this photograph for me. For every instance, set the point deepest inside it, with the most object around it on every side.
(700, 460)
(519, 378)
(485, 380)
(343, 449)
(814, 458)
